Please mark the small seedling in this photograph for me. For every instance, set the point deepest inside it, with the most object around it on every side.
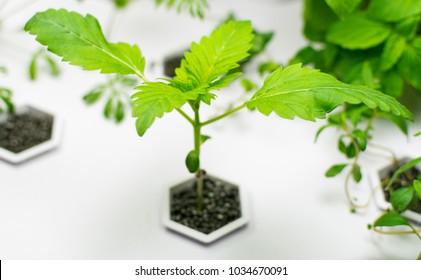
(210, 65)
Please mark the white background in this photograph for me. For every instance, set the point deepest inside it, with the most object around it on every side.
(99, 195)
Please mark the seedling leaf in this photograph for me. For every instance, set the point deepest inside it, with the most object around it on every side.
(310, 94)
(401, 198)
(154, 99)
(356, 173)
(211, 60)
(417, 188)
(80, 41)
(335, 170)
(361, 138)
(409, 65)
(392, 51)
(357, 32)
(343, 7)
(391, 219)
(393, 11)
(402, 169)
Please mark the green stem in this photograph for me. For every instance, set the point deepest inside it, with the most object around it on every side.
(197, 126)
(229, 112)
(190, 120)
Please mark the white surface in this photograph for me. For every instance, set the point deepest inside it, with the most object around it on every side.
(98, 196)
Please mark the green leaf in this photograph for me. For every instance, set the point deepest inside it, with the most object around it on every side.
(398, 121)
(351, 151)
(356, 173)
(267, 67)
(317, 23)
(121, 3)
(204, 138)
(119, 112)
(212, 59)
(335, 170)
(33, 68)
(393, 10)
(361, 138)
(417, 134)
(402, 169)
(109, 108)
(391, 219)
(392, 51)
(408, 27)
(320, 130)
(53, 67)
(419, 257)
(194, 7)
(417, 188)
(192, 161)
(92, 96)
(341, 146)
(343, 8)
(409, 65)
(401, 198)
(154, 99)
(305, 56)
(248, 85)
(356, 113)
(392, 83)
(80, 41)
(310, 94)
(358, 32)
(260, 42)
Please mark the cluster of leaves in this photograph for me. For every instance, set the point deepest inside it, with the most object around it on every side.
(195, 7)
(377, 44)
(289, 92)
(406, 195)
(42, 60)
(115, 93)
(367, 43)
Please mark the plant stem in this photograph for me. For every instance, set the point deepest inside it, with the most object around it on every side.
(386, 149)
(190, 120)
(197, 126)
(229, 112)
(413, 231)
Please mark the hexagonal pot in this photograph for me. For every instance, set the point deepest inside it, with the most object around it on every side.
(380, 196)
(221, 186)
(51, 142)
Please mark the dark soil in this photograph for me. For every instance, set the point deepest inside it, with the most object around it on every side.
(221, 205)
(25, 130)
(171, 63)
(405, 179)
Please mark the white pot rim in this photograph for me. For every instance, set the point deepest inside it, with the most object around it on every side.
(53, 142)
(200, 236)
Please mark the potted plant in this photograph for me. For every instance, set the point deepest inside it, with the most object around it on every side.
(25, 131)
(210, 65)
(375, 44)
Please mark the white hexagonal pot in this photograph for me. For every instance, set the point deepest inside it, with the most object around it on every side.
(197, 235)
(38, 149)
(382, 203)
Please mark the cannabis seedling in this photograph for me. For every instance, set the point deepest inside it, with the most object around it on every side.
(208, 67)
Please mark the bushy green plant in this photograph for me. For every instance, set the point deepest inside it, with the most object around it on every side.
(210, 65)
